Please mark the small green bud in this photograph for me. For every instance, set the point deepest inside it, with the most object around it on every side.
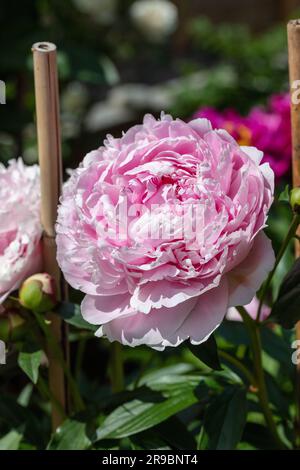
(37, 293)
(295, 200)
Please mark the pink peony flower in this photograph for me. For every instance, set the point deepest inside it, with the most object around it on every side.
(252, 308)
(267, 129)
(20, 227)
(196, 206)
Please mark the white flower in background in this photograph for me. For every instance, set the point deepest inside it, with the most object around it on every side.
(155, 18)
(74, 98)
(73, 103)
(102, 11)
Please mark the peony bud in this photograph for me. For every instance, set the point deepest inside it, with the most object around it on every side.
(295, 200)
(38, 293)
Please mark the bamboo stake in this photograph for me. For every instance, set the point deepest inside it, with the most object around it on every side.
(49, 148)
(294, 68)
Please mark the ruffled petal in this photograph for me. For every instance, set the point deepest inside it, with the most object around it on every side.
(247, 277)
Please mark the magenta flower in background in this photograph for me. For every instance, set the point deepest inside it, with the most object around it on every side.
(196, 205)
(20, 226)
(267, 129)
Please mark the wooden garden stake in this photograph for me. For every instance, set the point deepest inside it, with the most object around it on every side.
(49, 148)
(294, 67)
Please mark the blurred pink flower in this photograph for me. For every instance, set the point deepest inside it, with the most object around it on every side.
(251, 308)
(267, 129)
(20, 227)
(162, 289)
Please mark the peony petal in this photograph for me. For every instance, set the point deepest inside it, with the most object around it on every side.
(201, 126)
(206, 316)
(252, 152)
(151, 329)
(155, 295)
(247, 277)
(99, 310)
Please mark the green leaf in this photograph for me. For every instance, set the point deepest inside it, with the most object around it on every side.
(29, 360)
(258, 436)
(71, 435)
(169, 371)
(11, 441)
(282, 270)
(181, 378)
(286, 310)
(71, 314)
(276, 347)
(19, 417)
(171, 434)
(276, 397)
(233, 333)
(284, 196)
(224, 420)
(175, 432)
(148, 440)
(207, 352)
(138, 415)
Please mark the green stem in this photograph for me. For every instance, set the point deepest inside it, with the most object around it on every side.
(254, 332)
(52, 343)
(236, 363)
(199, 439)
(291, 233)
(116, 367)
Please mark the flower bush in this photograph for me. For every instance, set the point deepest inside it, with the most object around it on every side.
(162, 231)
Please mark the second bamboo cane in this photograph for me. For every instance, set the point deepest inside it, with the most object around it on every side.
(294, 68)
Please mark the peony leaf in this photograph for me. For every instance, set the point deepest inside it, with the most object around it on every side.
(72, 315)
(29, 360)
(224, 420)
(286, 310)
(138, 415)
(71, 435)
(207, 352)
(18, 417)
(11, 441)
(284, 196)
